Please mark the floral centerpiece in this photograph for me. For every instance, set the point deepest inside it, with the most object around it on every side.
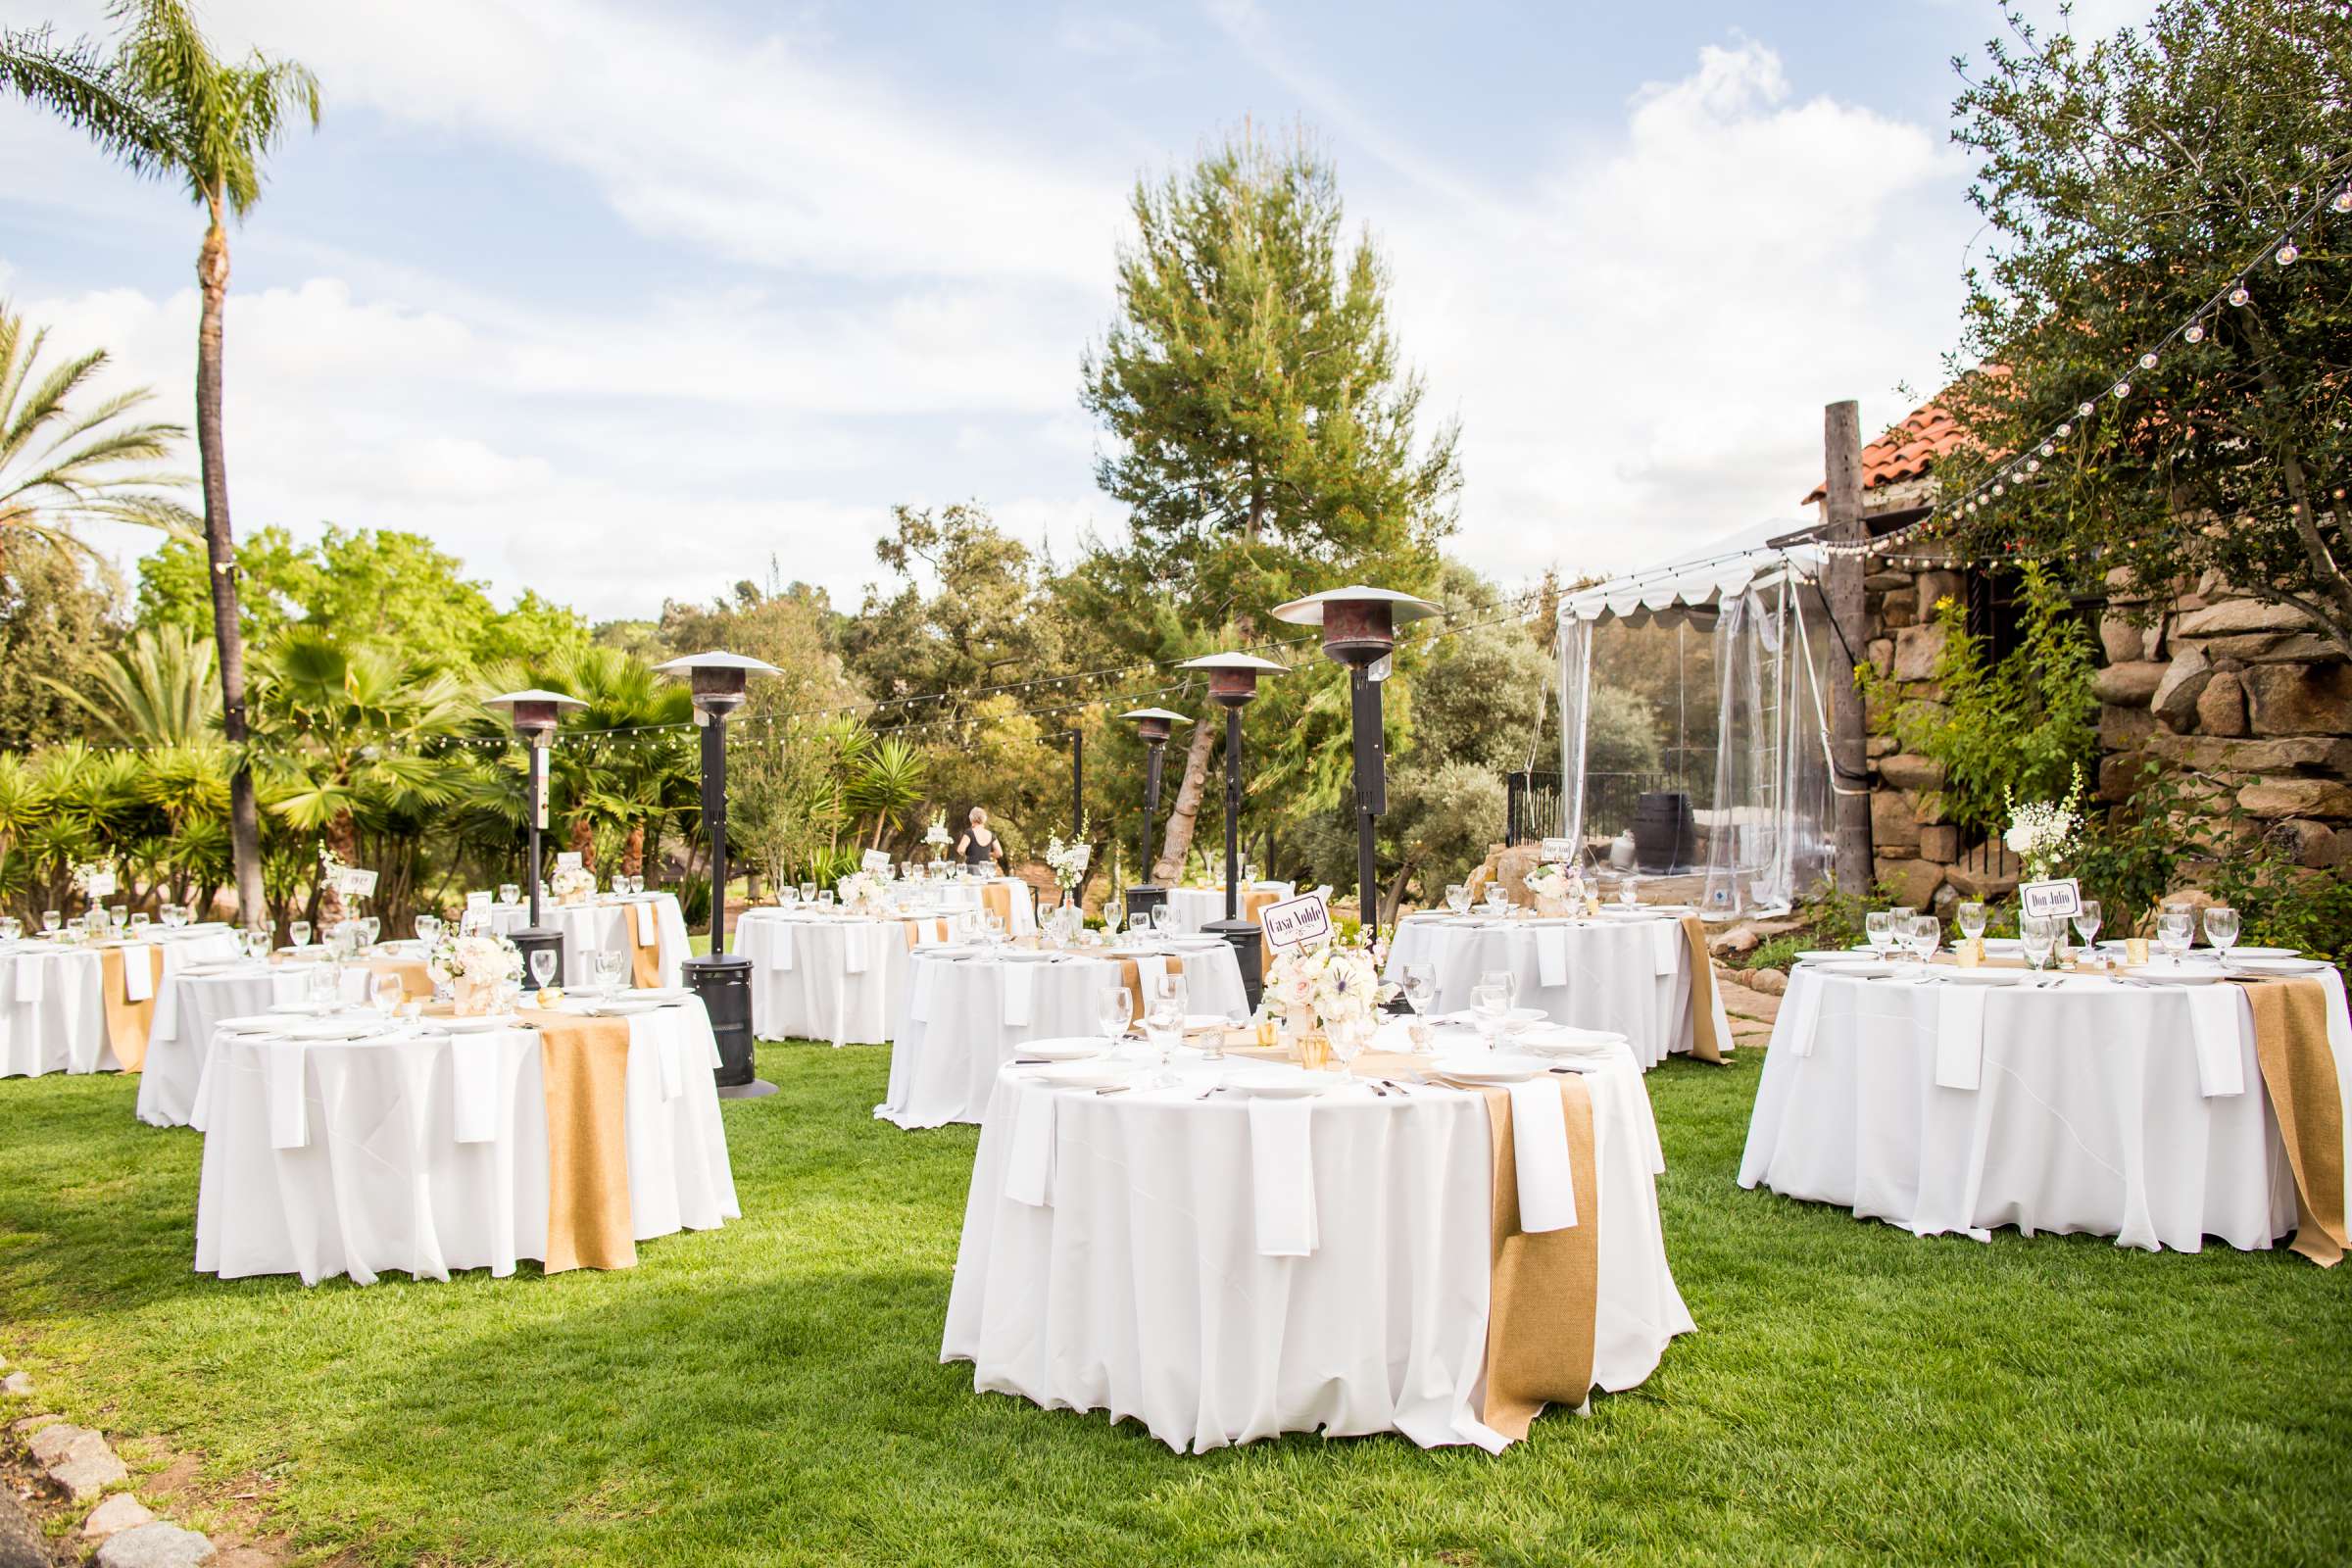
(572, 884)
(861, 892)
(1068, 863)
(93, 879)
(2042, 833)
(473, 965)
(1558, 889)
(1322, 987)
(936, 837)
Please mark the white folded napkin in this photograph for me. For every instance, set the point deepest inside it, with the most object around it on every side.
(29, 978)
(1281, 1176)
(779, 944)
(853, 948)
(2219, 1019)
(138, 972)
(1800, 1013)
(1540, 1145)
(282, 1063)
(1029, 1163)
(647, 930)
(1960, 1037)
(1020, 992)
(1666, 946)
(1551, 956)
(668, 1050)
(473, 1087)
(918, 1006)
(1150, 970)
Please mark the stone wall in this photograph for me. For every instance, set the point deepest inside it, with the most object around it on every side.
(2242, 698)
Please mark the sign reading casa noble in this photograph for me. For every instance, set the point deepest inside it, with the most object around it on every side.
(1297, 922)
(2050, 899)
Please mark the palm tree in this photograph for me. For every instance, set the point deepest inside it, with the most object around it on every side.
(157, 692)
(165, 105)
(60, 466)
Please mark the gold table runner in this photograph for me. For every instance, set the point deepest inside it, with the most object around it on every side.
(997, 899)
(126, 1021)
(1705, 1044)
(584, 1065)
(1256, 903)
(2298, 1070)
(416, 980)
(914, 931)
(645, 957)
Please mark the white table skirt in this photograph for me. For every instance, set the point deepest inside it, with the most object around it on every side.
(52, 1012)
(1191, 909)
(944, 1060)
(2090, 1112)
(188, 1011)
(380, 1180)
(818, 977)
(1632, 977)
(1139, 1289)
(603, 925)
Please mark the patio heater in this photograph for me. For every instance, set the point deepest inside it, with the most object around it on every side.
(1360, 630)
(723, 981)
(1233, 686)
(1154, 725)
(533, 715)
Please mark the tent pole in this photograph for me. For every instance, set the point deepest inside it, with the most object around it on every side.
(1841, 580)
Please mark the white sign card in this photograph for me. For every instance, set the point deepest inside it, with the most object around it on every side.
(1294, 922)
(478, 900)
(568, 861)
(2054, 900)
(1557, 852)
(102, 883)
(876, 861)
(358, 884)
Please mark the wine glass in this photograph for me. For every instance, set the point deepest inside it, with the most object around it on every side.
(118, 916)
(1507, 979)
(1115, 915)
(384, 990)
(543, 966)
(1349, 1037)
(2175, 929)
(992, 924)
(1458, 897)
(370, 928)
(2087, 926)
(173, 916)
(1491, 1006)
(609, 965)
(1498, 898)
(428, 929)
(51, 920)
(1113, 1011)
(1163, 1027)
(2221, 930)
(787, 896)
(1159, 919)
(139, 923)
(1629, 890)
(824, 899)
(2038, 934)
(809, 893)
(1972, 921)
(509, 893)
(11, 928)
(258, 941)
(1925, 934)
(1420, 987)
(299, 933)
(324, 985)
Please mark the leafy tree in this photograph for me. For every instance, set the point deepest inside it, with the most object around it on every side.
(174, 589)
(1263, 427)
(54, 622)
(986, 619)
(164, 105)
(2123, 184)
(63, 465)
(155, 691)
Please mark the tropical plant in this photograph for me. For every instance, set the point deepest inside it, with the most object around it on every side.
(886, 784)
(165, 106)
(61, 464)
(157, 691)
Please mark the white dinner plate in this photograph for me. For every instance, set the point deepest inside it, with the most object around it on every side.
(2268, 952)
(620, 1006)
(478, 1024)
(1469, 1015)
(2267, 964)
(1983, 977)
(1279, 1083)
(1858, 969)
(1494, 1070)
(303, 1009)
(329, 1030)
(662, 992)
(1562, 1041)
(257, 1025)
(1825, 955)
(1027, 956)
(1631, 911)
(1075, 1048)
(1098, 1073)
(2176, 974)
(1200, 1023)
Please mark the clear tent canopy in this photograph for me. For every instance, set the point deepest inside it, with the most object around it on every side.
(1694, 699)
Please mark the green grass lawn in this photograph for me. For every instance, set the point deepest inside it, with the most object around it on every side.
(772, 1392)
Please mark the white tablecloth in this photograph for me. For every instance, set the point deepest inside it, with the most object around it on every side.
(1191, 909)
(430, 1155)
(967, 1016)
(52, 1012)
(603, 925)
(1628, 976)
(939, 896)
(826, 977)
(2112, 1110)
(1138, 1287)
(190, 1009)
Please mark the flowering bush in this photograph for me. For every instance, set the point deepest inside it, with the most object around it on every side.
(1320, 985)
(1069, 862)
(2042, 832)
(476, 956)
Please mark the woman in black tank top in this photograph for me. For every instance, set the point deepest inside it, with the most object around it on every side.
(979, 848)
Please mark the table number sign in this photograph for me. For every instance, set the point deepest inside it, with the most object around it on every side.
(1557, 852)
(2051, 900)
(99, 885)
(568, 861)
(1294, 922)
(353, 883)
(478, 900)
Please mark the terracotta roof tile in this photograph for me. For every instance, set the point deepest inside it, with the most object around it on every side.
(1906, 452)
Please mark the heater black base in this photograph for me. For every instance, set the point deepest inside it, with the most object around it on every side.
(538, 939)
(1247, 951)
(1142, 901)
(724, 983)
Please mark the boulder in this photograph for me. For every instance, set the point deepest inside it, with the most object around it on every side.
(1916, 650)
(2122, 728)
(2221, 710)
(2275, 648)
(1988, 871)
(1935, 587)
(1893, 819)
(2296, 797)
(1939, 843)
(1907, 771)
(1772, 982)
(2299, 699)
(1885, 582)
(2232, 615)
(2175, 700)
(2276, 755)
(2311, 844)
(51, 1443)
(1739, 939)
(2131, 683)
(2120, 639)
(115, 1514)
(1913, 882)
(17, 1386)
(1880, 654)
(21, 1543)
(2120, 774)
(1897, 611)
(88, 1468)
(155, 1546)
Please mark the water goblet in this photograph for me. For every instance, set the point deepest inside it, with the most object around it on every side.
(118, 916)
(1498, 898)
(609, 965)
(1507, 979)
(992, 924)
(11, 928)
(2176, 930)
(51, 920)
(1420, 987)
(1349, 1037)
(1628, 893)
(511, 893)
(807, 893)
(2038, 934)
(173, 916)
(324, 985)
(1163, 1027)
(1972, 920)
(298, 932)
(1114, 1010)
(1458, 897)
(2087, 926)
(786, 897)
(1159, 919)
(2221, 930)
(1491, 1007)
(1879, 927)
(1926, 933)
(824, 899)
(1115, 915)
(543, 966)
(385, 993)
(428, 928)
(139, 923)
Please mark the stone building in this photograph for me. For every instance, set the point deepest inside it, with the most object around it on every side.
(2244, 697)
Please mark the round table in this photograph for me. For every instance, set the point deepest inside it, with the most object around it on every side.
(2090, 1105)
(939, 896)
(1627, 975)
(430, 1152)
(835, 977)
(190, 1009)
(1114, 1255)
(1191, 909)
(603, 924)
(969, 1011)
(53, 1013)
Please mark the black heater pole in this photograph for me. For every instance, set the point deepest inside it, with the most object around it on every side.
(1155, 755)
(1232, 813)
(538, 757)
(714, 824)
(1077, 784)
(1371, 794)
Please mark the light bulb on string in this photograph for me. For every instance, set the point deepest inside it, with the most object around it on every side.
(2286, 254)
(2194, 333)
(2123, 390)
(2083, 410)
(2147, 362)
(2047, 449)
(2342, 200)
(2065, 430)
(2238, 294)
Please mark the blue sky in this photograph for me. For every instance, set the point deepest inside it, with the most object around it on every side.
(621, 300)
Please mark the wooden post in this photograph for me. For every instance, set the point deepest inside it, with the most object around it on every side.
(1841, 581)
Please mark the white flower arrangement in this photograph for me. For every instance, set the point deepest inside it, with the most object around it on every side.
(93, 879)
(2042, 832)
(1069, 862)
(860, 890)
(1555, 881)
(476, 957)
(572, 882)
(1320, 985)
(936, 835)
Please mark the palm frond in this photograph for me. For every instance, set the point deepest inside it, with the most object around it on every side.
(78, 85)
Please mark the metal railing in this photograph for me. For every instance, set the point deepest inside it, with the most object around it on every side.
(1531, 798)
